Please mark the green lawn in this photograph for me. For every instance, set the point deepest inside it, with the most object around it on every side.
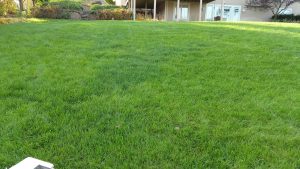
(115, 94)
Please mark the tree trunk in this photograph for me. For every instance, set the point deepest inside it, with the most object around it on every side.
(275, 16)
(21, 5)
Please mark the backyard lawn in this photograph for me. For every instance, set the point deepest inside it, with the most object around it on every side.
(120, 94)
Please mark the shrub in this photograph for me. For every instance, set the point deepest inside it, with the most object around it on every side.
(22, 14)
(217, 18)
(286, 18)
(112, 2)
(283, 18)
(10, 20)
(50, 12)
(97, 7)
(4, 20)
(70, 5)
(142, 16)
(116, 14)
(56, 10)
(40, 2)
(7, 7)
(297, 18)
(2, 9)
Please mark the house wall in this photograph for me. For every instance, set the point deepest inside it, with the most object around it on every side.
(120, 2)
(193, 10)
(160, 11)
(170, 10)
(252, 14)
(166, 9)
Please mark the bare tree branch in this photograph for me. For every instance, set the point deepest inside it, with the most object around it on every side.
(275, 6)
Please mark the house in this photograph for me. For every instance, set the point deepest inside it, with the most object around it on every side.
(189, 10)
(169, 10)
(237, 10)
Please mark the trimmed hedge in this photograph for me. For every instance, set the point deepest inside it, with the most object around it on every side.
(286, 18)
(70, 5)
(10, 20)
(97, 7)
(116, 14)
(297, 18)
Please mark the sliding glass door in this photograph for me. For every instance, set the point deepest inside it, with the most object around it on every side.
(183, 12)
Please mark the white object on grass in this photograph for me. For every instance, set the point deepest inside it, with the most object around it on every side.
(32, 163)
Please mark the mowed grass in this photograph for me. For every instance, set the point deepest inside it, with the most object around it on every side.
(117, 94)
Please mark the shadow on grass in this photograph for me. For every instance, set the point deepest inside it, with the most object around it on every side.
(135, 94)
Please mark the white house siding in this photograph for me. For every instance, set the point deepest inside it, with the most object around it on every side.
(120, 2)
(252, 14)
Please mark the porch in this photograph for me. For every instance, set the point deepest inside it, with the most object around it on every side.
(168, 10)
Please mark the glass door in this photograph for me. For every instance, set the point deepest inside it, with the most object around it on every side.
(226, 14)
(183, 12)
(230, 13)
(236, 13)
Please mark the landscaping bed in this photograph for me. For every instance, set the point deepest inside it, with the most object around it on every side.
(77, 10)
(11, 20)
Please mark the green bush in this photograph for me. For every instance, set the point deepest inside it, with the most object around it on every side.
(297, 18)
(56, 10)
(2, 9)
(116, 14)
(110, 2)
(286, 18)
(7, 7)
(70, 5)
(97, 7)
(283, 17)
(10, 20)
(41, 2)
(50, 12)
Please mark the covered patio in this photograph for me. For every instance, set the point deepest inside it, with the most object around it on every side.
(168, 10)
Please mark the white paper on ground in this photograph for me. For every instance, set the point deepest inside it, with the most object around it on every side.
(32, 163)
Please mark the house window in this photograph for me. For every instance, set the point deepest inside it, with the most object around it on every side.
(230, 13)
(287, 11)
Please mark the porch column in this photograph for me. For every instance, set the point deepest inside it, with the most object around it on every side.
(154, 10)
(131, 5)
(177, 10)
(200, 10)
(222, 10)
(134, 9)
